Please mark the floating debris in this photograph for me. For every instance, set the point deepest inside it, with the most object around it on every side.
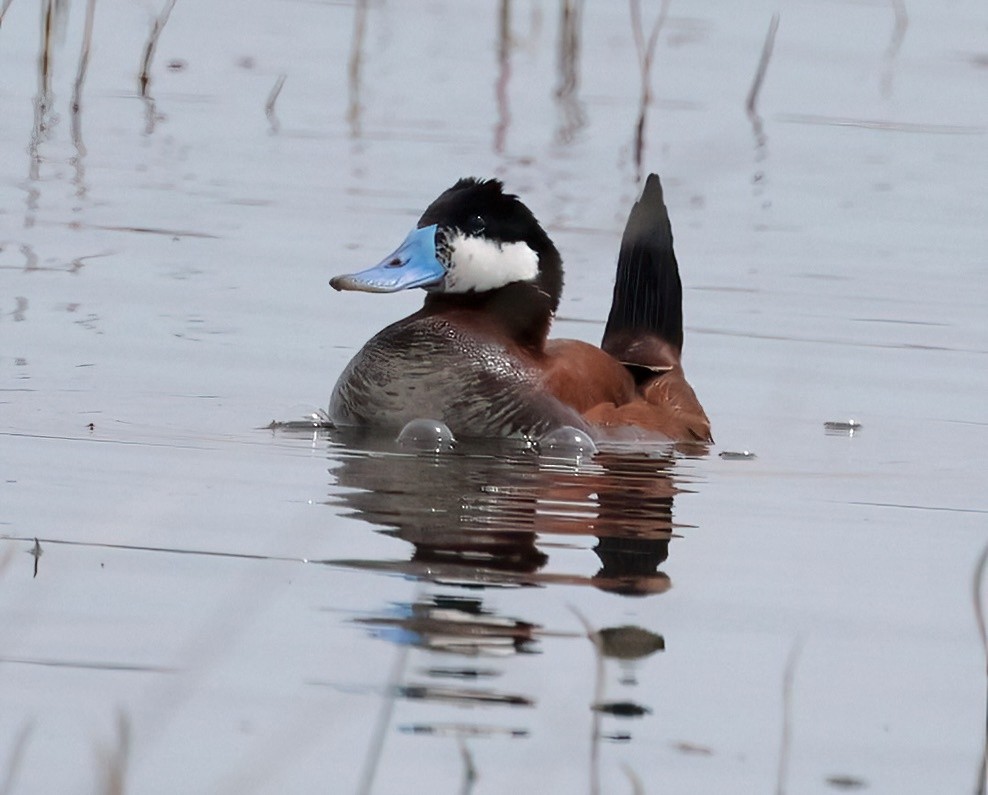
(316, 419)
(737, 455)
(36, 552)
(461, 673)
(841, 427)
(417, 692)
(461, 730)
(621, 709)
(846, 782)
(693, 748)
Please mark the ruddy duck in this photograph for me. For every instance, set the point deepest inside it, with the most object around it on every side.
(477, 355)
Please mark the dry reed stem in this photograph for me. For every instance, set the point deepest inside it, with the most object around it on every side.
(503, 75)
(87, 42)
(3, 10)
(80, 77)
(568, 65)
(569, 46)
(15, 759)
(646, 51)
(144, 79)
(469, 768)
(788, 676)
(979, 617)
(269, 105)
(113, 761)
(47, 32)
(354, 66)
(52, 13)
(899, 29)
(376, 747)
(637, 786)
(8, 555)
(646, 55)
(756, 85)
(979, 610)
(594, 637)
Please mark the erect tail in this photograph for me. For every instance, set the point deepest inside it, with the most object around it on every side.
(645, 325)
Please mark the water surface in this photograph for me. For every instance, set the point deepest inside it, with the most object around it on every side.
(195, 603)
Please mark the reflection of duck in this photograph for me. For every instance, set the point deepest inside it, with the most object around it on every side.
(491, 515)
(454, 625)
(628, 644)
(476, 356)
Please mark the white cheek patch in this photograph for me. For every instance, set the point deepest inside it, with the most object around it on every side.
(479, 264)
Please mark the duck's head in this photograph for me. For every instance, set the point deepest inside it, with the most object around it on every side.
(474, 240)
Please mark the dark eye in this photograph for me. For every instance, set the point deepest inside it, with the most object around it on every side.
(475, 225)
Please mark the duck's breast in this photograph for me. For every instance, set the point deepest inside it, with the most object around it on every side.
(430, 367)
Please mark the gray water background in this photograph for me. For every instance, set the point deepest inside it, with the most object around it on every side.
(219, 608)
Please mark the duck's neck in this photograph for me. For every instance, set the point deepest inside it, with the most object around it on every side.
(523, 311)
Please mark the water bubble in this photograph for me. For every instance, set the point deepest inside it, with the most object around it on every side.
(426, 436)
(567, 442)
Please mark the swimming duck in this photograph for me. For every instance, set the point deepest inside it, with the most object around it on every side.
(477, 354)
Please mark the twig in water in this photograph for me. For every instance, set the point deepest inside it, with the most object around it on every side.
(144, 79)
(646, 54)
(503, 75)
(36, 552)
(895, 44)
(787, 680)
(637, 787)
(395, 678)
(15, 759)
(8, 555)
(80, 77)
(469, 769)
(114, 760)
(354, 64)
(52, 16)
(3, 9)
(47, 31)
(979, 616)
(269, 105)
(598, 696)
(751, 105)
(979, 610)
(568, 64)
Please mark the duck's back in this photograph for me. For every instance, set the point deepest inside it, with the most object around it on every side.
(432, 367)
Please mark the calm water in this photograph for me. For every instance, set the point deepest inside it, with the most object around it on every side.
(190, 602)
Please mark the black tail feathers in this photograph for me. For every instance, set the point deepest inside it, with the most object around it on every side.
(647, 309)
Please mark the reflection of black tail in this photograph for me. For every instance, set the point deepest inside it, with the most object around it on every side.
(647, 309)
